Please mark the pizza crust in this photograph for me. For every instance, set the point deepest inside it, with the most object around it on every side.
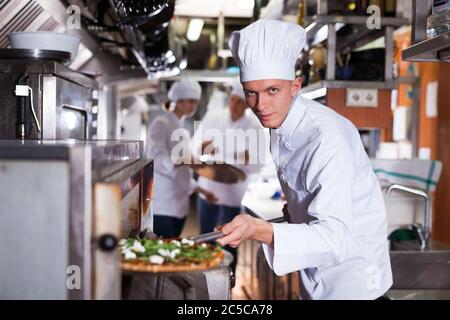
(139, 265)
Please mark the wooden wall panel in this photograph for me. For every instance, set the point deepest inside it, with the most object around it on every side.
(363, 117)
(429, 72)
(441, 218)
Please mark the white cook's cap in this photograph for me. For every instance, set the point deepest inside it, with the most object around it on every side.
(185, 89)
(267, 49)
(237, 90)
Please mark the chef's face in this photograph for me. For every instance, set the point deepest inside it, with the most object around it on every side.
(237, 107)
(188, 107)
(271, 99)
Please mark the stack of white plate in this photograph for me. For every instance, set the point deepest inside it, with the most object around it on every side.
(45, 41)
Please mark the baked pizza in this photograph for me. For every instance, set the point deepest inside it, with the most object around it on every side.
(165, 255)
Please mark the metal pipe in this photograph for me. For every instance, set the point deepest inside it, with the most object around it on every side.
(389, 43)
(21, 124)
(322, 7)
(415, 117)
(420, 11)
(331, 52)
(221, 37)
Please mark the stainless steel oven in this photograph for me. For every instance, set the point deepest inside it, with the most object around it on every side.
(64, 204)
(64, 101)
(66, 109)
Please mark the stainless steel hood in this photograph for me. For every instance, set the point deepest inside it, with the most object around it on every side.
(23, 15)
(129, 39)
(93, 57)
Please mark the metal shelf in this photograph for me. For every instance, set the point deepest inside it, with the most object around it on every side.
(384, 21)
(362, 36)
(319, 89)
(318, 21)
(325, 27)
(205, 75)
(422, 49)
(435, 49)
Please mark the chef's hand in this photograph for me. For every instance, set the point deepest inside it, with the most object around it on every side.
(286, 215)
(187, 159)
(210, 197)
(190, 161)
(208, 147)
(245, 227)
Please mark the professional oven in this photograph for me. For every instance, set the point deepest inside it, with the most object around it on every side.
(64, 206)
(42, 98)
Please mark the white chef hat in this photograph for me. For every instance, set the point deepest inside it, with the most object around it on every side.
(185, 89)
(267, 49)
(237, 90)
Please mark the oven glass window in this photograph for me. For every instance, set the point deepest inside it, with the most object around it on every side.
(72, 124)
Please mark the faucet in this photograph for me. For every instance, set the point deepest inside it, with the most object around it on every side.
(424, 233)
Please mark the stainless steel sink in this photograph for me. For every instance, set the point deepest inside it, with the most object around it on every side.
(414, 268)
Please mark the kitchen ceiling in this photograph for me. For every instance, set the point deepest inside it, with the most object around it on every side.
(123, 38)
(213, 8)
(23, 15)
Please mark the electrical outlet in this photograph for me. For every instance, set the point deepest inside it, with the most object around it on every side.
(362, 98)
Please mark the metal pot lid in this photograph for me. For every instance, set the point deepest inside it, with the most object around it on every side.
(59, 56)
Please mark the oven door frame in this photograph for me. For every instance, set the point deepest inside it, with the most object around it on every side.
(108, 194)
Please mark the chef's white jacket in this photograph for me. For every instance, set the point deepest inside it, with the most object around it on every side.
(337, 238)
(218, 126)
(172, 184)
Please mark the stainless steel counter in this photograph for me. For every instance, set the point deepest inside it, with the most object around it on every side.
(418, 294)
(107, 156)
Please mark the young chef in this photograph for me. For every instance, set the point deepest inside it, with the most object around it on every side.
(173, 184)
(337, 235)
(231, 123)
